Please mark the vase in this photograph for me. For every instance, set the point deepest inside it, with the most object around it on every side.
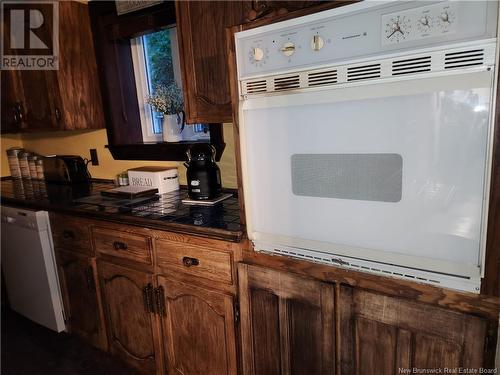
(172, 127)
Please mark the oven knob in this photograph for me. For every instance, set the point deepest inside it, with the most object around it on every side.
(317, 43)
(424, 21)
(288, 49)
(257, 53)
(445, 17)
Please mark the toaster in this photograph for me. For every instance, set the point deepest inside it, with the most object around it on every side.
(67, 169)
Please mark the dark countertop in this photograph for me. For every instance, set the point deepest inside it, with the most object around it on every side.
(221, 221)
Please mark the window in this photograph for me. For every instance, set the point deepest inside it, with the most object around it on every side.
(156, 62)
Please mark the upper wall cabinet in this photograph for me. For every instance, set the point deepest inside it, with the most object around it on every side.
(65, 99)
(203, 55)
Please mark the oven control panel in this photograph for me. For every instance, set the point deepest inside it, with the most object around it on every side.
(361, 30)
(420, 23)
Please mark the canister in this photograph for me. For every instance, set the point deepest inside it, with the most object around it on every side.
(39, 168)
(32, 166)
(12, 156)
(23, 164)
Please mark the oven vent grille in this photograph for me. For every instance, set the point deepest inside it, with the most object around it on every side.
(464, 58)
(411, 66)
(395, 67)
(287, 82)
(362, 72)
(326, 77)
(254, 87)
(362, 266)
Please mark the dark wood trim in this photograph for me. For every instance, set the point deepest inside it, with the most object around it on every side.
(158, 151)
(491, 281)
(112, 35)
(476, 304)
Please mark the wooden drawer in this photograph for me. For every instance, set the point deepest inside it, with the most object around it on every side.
(121, 244)
(71, 234)
(195, 260)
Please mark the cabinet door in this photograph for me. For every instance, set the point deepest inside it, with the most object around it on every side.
(132, 326)
(81, 104)
(198, 326)
(202, 48)
(81, 300)
(287, 323)
(11, 97)
(383, 335)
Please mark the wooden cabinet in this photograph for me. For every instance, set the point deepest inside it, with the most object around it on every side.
(203, 55)
(381, 335)
(132, 326)
(11, 101)
(124, 245)
(198, 330)
(82, 305)
(65, 99)
(287, 323)
(71, 234)
(198, 261)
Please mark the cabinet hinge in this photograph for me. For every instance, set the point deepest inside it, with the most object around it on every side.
(236, 311)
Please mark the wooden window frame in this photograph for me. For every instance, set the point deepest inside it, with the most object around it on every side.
(112, 35)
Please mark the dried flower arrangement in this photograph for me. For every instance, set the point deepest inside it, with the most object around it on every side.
(166, 99)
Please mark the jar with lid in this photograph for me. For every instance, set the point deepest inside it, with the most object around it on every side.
(39, 168)
(23, 164)
(32, 166)
(12, 156)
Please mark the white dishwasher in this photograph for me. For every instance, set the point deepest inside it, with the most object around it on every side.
(29, 267)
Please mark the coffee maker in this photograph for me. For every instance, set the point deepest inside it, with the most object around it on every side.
(203, 174)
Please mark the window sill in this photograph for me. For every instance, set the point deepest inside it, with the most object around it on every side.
(158, 151)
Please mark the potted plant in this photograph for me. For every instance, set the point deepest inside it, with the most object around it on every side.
(167, 100)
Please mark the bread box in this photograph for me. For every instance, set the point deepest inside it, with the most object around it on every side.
(165, 179)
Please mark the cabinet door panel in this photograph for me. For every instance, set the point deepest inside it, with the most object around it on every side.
(198, 330)
(203, 57)
(384, 334)
(82, 304)
(132, 329)
(12, 98)
(287, 323)
(265, 310)
(77, 76)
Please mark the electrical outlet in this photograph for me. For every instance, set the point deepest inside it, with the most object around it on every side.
(93, 157)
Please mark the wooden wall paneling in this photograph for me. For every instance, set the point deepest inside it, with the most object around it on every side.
(287, 323)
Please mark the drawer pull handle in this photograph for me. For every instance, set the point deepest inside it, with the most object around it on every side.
(68, 234)
(188, 262)
(119, 245)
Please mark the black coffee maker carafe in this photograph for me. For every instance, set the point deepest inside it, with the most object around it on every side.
(203, 174)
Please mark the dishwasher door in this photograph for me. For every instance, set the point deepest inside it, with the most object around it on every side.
(29, 267)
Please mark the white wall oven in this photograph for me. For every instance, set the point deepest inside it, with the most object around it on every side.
(366, 136)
